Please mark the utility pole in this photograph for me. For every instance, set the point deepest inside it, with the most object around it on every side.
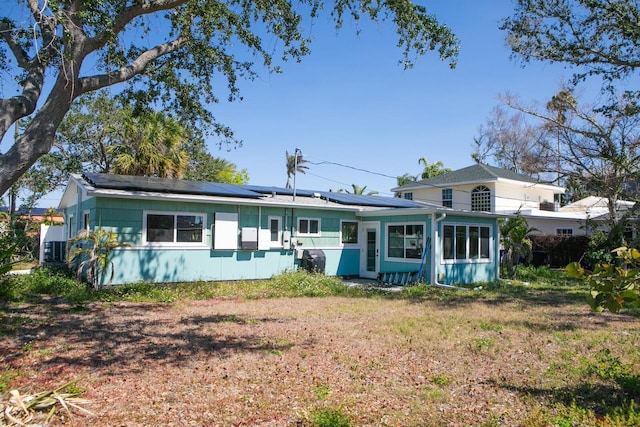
(295, 170)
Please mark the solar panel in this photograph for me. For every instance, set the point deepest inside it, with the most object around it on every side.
(179, 186)
(165, 185)
(279, 190)
(364, 200)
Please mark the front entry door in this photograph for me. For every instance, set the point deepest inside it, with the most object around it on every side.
(370, 249)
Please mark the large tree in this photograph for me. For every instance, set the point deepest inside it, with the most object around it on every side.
(511, 140)
(597, 143)
(171, 52)
(600, 37)
(97, 129)
(598, 147)
(151, 145)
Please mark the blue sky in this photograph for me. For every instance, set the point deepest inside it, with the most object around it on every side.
(350, 102)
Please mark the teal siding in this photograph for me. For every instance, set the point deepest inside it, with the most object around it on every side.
(179, 265)
(141, 263)
(468, 272)
(170, 264)
(409, 265)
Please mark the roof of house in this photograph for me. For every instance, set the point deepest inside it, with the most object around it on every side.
(197, 188)
(36, 211)
(476, 173)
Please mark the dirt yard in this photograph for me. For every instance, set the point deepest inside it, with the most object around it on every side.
(286, 362)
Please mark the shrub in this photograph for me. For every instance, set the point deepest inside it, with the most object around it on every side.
(328, 417)
(612, 286)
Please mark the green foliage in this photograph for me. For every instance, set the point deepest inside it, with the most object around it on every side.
(7, 249)
(609, 367)
(599, 250)
(44, 281)
(330, 417)
(430, 170)
(557, 32)
(612, 287)
(151, 144)
(356, 189)
(441, 379)
(204, 167)
(513, 232)
(321, 391)
(91, 250)
(295, 164)
(196, 44)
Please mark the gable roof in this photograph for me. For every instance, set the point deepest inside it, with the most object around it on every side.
(127, 183)
(476, 173)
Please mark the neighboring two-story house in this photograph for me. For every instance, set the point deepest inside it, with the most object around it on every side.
(483, 188)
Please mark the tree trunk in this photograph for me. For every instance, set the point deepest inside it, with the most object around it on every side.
(39, 136)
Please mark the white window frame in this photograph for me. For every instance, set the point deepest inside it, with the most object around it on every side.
(481, 198)
(309, 227)
(404, 249)
(278, 243)
(175, 243)
(343, 221)
(71, 233)
(466, 259)
(566, 231)
(449, 192)
(408, 195)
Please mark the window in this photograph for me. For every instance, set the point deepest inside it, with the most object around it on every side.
(183, 228)
(71, 230)
(405, 241)
(564, 231)
(464, 243)
(85, 220)
(275, 231)
(308, 227)
(349, 232)
(447, 198)
(408, 196)
(481, 199)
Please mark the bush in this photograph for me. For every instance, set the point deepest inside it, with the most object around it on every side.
(49, 281)
(558, 251)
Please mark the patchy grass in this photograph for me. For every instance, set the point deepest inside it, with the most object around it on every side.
(304, 350)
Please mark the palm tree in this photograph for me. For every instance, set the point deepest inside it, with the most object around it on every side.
(93, 255)
(295, 164)
(360, 190)
(431, 170)
(151, 145)
(514, 233)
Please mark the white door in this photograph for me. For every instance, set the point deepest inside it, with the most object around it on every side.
(369, 249)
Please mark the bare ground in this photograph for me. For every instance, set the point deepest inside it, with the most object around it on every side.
(277, 362)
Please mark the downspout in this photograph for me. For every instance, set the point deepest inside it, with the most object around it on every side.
(435, 245)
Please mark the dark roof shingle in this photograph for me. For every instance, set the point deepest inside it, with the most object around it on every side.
(475, 173)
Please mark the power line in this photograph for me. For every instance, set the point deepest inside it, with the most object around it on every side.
(428, 200)
(327, 162)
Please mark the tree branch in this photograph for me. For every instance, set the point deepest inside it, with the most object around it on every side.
(128, 15)
(91, 83)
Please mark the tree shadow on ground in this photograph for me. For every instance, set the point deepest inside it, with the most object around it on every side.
(601, 398)
(130, 336)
